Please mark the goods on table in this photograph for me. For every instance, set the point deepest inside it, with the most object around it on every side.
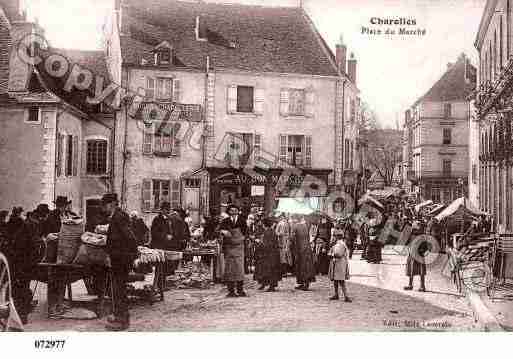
(91, 255)
(191, 275)
(149, 255)
(94, 239)
(69, 240)
(101, 229)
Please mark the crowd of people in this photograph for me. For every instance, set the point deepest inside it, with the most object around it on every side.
(270, 248)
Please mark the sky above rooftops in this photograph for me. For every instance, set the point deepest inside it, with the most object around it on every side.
(393, 71)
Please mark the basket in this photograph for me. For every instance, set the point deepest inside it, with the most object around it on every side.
(69, 242)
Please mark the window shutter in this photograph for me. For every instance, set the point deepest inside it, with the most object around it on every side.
(257, 146)
(148, 139)
(176, 90)
(259, 101)
(175, 193)
(150, 88)
(231, 105)
(175, 149)
(309, 103)
(283, 150)
(284, 102)
(146, 195)
(75, 156)
(308, 151)
(59, 155)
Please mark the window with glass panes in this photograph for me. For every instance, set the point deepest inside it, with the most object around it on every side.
(245, 99)
(447, 134)
(161, 191)
(297, 102)
(96, 158)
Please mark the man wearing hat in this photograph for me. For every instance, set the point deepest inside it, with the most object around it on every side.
(161, 235)
(233, 228)
(122, 249)
(54, 222)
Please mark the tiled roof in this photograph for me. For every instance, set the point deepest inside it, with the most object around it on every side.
(455, 84)
(242, 37)
(92, 60)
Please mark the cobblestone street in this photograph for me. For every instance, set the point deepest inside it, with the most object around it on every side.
(379, 303)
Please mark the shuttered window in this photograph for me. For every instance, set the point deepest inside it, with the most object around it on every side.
(146, 195)
(295, 150)
(164, 90)
(75, 156)
(60, 148)
(69, 156)
(175, 193)
(297, 102)
(160, 138)
(156, 191)
(150, 88)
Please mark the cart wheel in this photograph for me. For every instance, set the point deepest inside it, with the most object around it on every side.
(5, 292)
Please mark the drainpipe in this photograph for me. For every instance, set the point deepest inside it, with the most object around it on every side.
(56, 155)
(123, 175)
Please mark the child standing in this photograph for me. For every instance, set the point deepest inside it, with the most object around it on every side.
(339, 265)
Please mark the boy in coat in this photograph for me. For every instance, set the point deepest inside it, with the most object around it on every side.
(268, 270)
(339, 265)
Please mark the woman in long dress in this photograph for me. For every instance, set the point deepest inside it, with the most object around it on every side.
(283, 234)
(268, 266)
(339, 265)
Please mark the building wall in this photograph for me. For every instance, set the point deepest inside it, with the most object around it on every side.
(70, 186)
(140, 166)
(21, 162)
(473, 172)
(271, 124)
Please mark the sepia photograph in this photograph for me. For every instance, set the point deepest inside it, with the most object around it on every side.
(341, 166)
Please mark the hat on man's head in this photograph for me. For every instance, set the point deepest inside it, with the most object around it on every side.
(109, 198)
(165, 206)
(17, 211)
(62, 201)
(42, 210)
(230, 206)
(4, 213)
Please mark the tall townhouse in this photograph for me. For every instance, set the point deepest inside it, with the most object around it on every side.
(407, 144)
(439, 122)
(275, 104)
(51, 141)
(493, 103)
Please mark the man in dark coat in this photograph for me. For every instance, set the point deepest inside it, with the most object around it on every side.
(122, 249)
(234, 230)
(56, 288)
(268, 269)
(139, 228)
(15, 222)
(322, 244)
(304, 267)
(161, 235)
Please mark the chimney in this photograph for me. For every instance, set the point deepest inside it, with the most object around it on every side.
(341, 56)
(19, 71)
(351, 69)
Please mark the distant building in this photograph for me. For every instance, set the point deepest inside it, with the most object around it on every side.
(50, 144)
(435, 137)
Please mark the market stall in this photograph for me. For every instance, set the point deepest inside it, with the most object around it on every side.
(73, 255)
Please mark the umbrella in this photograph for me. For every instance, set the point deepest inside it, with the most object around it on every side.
(423, 204)
(295, 206)
(369, 199)
(460, 203)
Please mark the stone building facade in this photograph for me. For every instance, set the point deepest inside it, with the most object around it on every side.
(258, 90)
(436, 133)
(50, 143)
(493, 103)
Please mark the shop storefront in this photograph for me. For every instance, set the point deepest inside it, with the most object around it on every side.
(262, 189)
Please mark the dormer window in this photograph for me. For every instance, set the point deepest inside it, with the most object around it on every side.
(200, 30)
(163, 54)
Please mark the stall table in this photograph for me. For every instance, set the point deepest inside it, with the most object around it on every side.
(205, 252)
